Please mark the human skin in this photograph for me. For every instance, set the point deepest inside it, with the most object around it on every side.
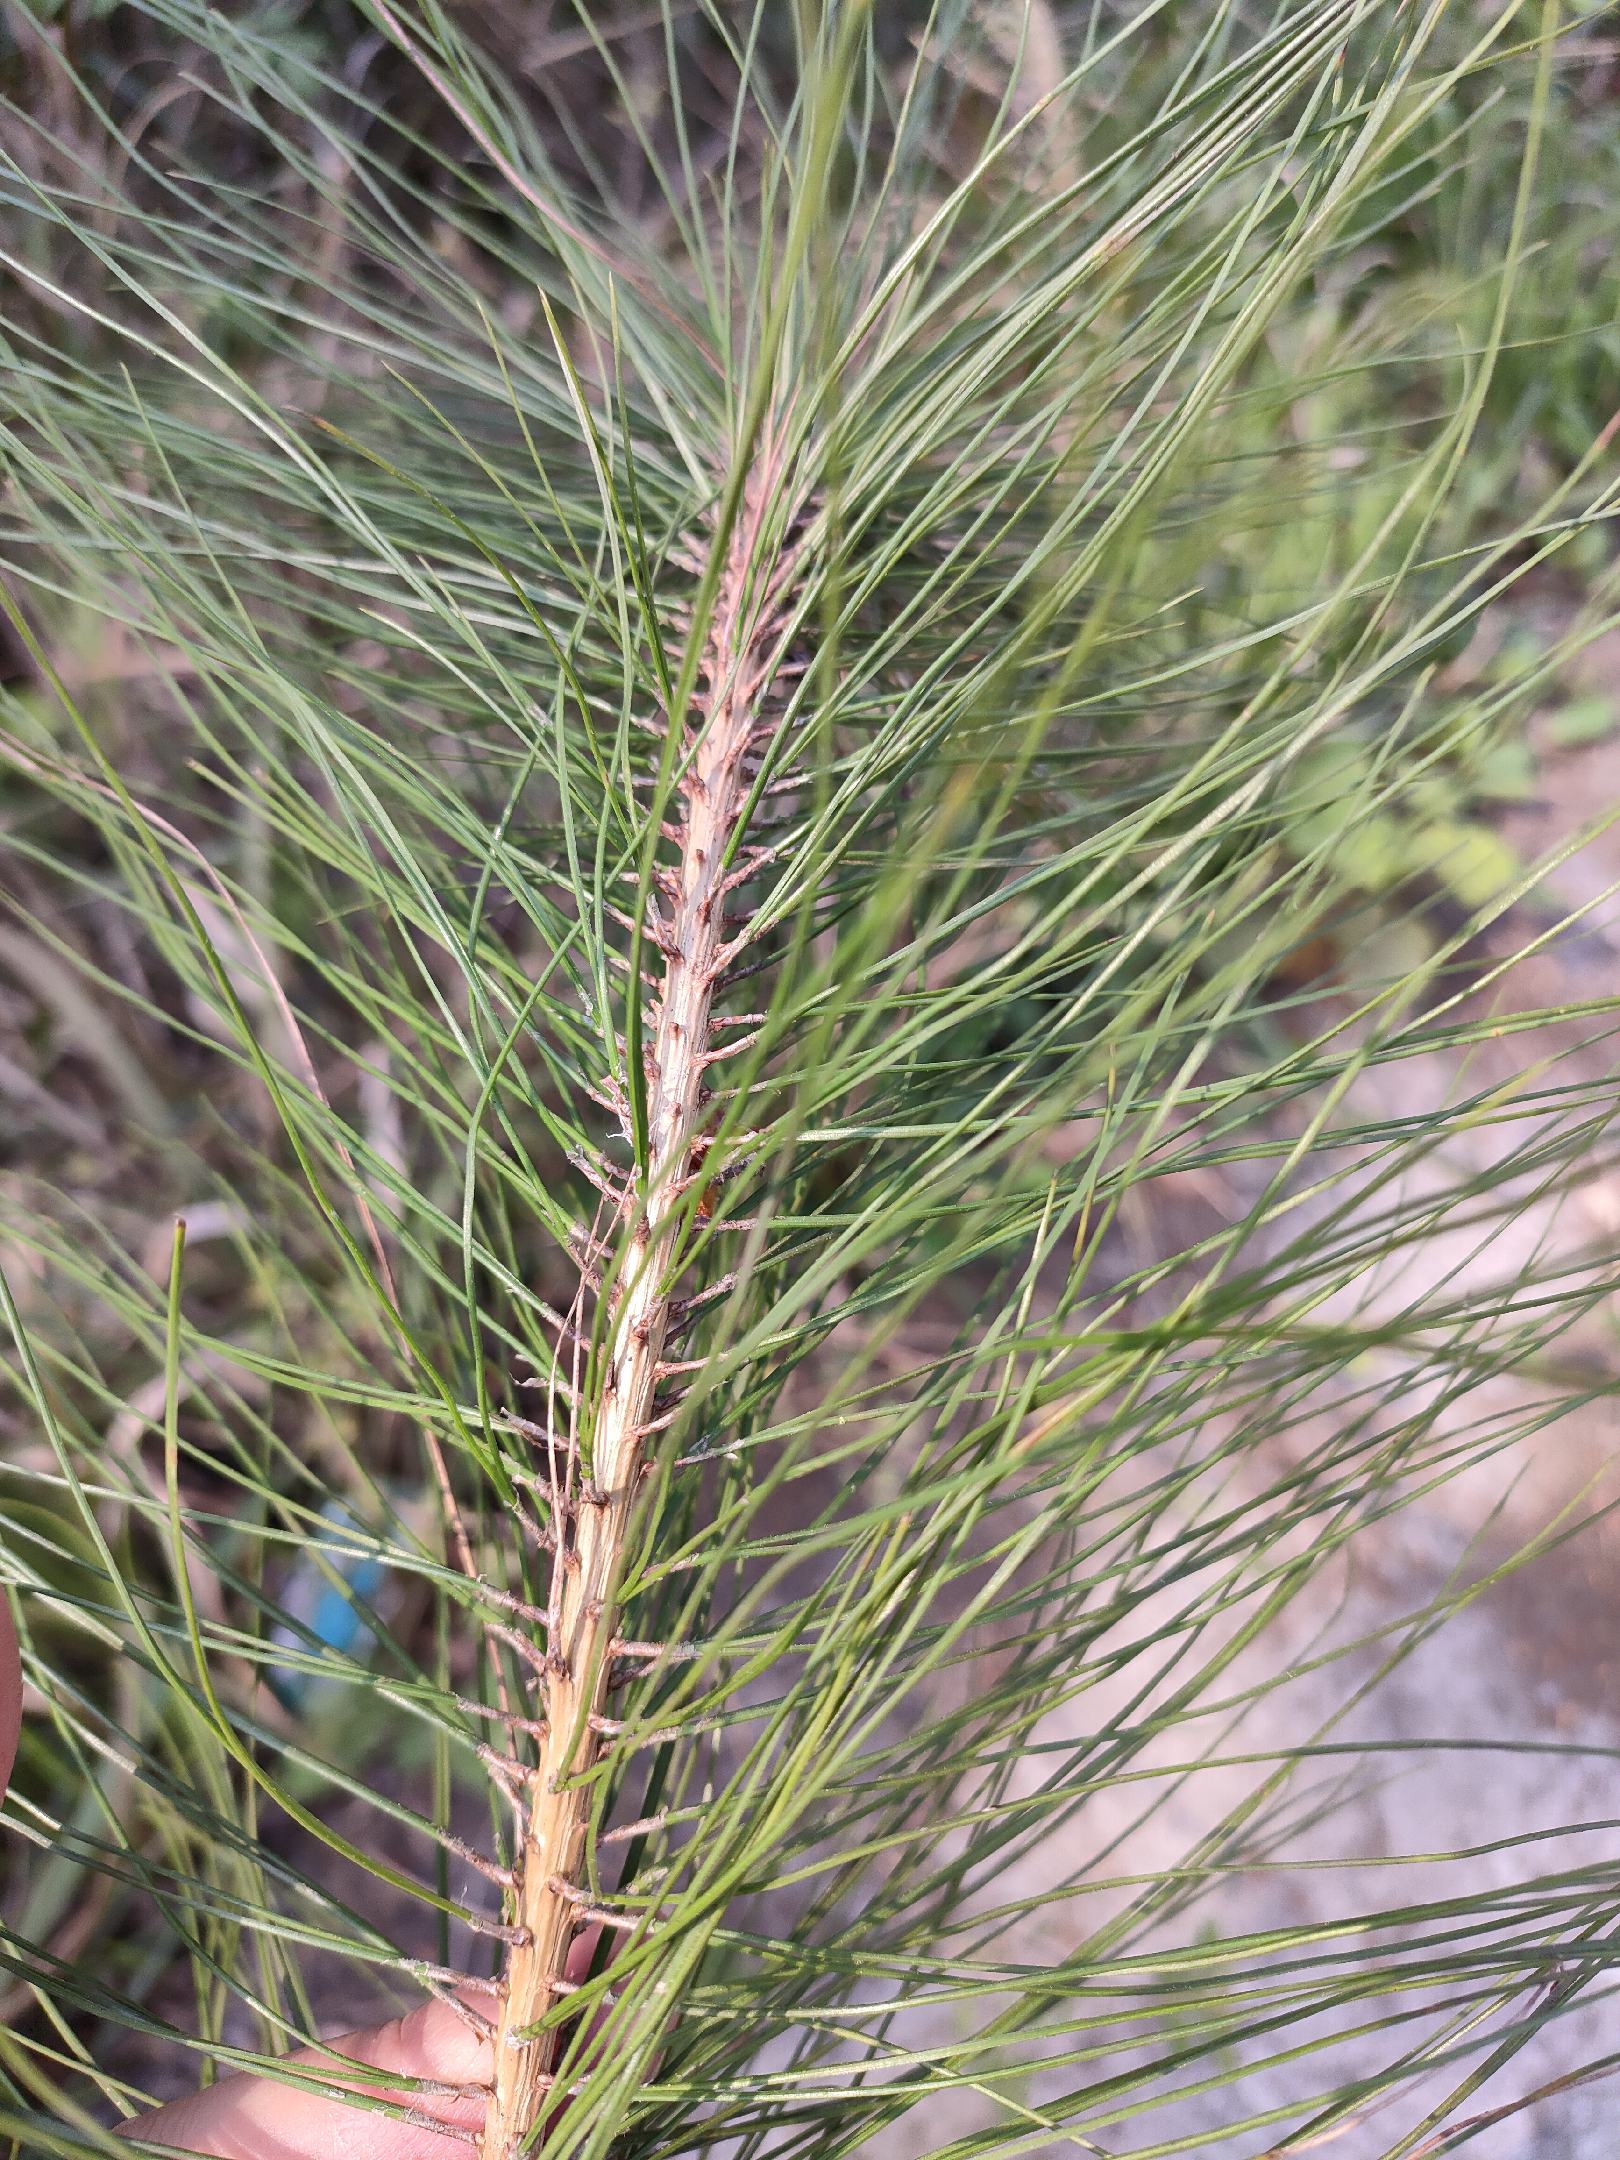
(259, 2118)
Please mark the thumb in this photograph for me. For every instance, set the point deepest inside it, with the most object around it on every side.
(259, 2118)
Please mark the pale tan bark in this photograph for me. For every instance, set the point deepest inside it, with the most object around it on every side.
(547, 1902)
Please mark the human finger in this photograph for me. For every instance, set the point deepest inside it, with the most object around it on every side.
(260, 2118)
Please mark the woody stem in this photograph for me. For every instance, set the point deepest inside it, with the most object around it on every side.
(547, 1900)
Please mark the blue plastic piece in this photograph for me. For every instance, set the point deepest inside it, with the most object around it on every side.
(333, 1615)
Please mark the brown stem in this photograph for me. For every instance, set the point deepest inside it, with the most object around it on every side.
(586, 1628)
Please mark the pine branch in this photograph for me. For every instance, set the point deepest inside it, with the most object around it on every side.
(1109, 1298)
(730, 722)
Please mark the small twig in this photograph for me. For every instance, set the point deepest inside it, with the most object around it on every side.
(644, 1826)
(491, 1870)
(534, 1727)
(420, 2120)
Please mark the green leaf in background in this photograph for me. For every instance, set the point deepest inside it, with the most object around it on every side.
(1582, 720)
